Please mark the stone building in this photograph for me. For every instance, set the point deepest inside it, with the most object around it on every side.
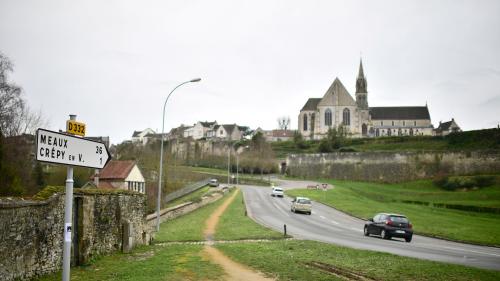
(338, 108)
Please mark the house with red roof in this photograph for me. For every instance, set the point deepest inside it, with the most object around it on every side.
(121, 175)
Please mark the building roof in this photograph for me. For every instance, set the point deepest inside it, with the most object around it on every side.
(117, 169)
(337, 95)
(444, 126)
(400, 113)
(311, 104)
(136, 134)
(229, 128)
(208, 124)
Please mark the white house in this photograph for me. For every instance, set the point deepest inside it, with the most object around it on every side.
(445, 128)
(201, 130)
(141, 137)
(228, 132)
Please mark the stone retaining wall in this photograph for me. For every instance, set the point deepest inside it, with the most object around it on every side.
(391, 166)
(31, 232)
(182, 209)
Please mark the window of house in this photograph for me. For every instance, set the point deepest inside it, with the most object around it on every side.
(221, 132)
(404, 123)
(347, 117)
(381, 123)
(305, 123)
(328, 117)
(415, 123)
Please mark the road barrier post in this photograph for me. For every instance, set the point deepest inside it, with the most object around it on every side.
(284, 227)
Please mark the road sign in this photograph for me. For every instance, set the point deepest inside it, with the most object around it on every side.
(61, 148)
(75, 128)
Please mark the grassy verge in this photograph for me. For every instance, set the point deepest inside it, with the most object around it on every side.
(366, 199)
(149, 263)
(188, 227)
(221, 175)
(288, 260)
(191, 197)
(235, 225)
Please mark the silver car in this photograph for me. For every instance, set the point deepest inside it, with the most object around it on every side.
(301, 204)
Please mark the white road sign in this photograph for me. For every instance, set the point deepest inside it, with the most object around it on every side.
(66, 149)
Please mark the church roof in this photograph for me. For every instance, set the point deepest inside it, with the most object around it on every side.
(400, 113)
(337, 95)
(311, 104)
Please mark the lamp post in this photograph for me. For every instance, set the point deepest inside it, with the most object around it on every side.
(158, 205)
(237, 163)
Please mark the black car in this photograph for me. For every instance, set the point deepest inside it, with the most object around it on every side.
(389, 225)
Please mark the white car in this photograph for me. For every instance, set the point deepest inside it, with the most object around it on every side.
(277, 191)
(213, 183)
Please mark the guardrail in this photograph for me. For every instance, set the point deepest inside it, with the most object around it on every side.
(187, 189)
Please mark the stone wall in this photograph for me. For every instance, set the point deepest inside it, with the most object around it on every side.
(391, 166)
(182, 209)
(31, 232)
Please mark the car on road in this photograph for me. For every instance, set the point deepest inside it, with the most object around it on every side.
(213, 183)
(389, 225)
(277, 192)
(301, 204)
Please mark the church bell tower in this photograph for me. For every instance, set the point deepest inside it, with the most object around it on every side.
(361, 89)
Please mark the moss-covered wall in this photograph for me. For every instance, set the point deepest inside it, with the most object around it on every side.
(391, 166)
(31, 232)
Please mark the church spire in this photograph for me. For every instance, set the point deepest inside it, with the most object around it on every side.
(361, 74)
(361, 88)
(361, 84)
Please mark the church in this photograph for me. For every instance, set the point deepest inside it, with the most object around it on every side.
(338, 108)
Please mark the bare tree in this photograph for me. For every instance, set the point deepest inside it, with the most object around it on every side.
(284, 122)
(15, 116)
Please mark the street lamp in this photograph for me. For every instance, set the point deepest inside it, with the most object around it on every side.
(161, 152)
(237, 162)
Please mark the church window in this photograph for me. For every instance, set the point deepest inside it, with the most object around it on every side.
(328, 117)
(305, 122)
(347, 117)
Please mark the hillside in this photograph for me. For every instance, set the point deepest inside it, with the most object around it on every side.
(488, 139)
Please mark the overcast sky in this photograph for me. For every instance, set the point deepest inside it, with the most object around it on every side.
(113, 63)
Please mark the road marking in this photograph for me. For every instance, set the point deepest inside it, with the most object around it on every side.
(334, 222)
(322, 217)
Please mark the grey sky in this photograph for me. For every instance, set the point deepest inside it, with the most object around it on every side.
(114, 62)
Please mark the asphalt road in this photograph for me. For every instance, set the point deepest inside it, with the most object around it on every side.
(331, 226)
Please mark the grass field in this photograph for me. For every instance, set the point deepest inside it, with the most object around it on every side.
(365, 199)
(235, 225)
(188, 227)
(290, 260)
(283, 259)
(149, 263)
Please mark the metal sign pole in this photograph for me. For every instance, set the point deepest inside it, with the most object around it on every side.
(68, 218)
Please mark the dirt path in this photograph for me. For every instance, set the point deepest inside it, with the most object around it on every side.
(234, 270)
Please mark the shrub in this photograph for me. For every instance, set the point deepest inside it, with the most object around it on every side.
(440, 179)
(482, 181)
